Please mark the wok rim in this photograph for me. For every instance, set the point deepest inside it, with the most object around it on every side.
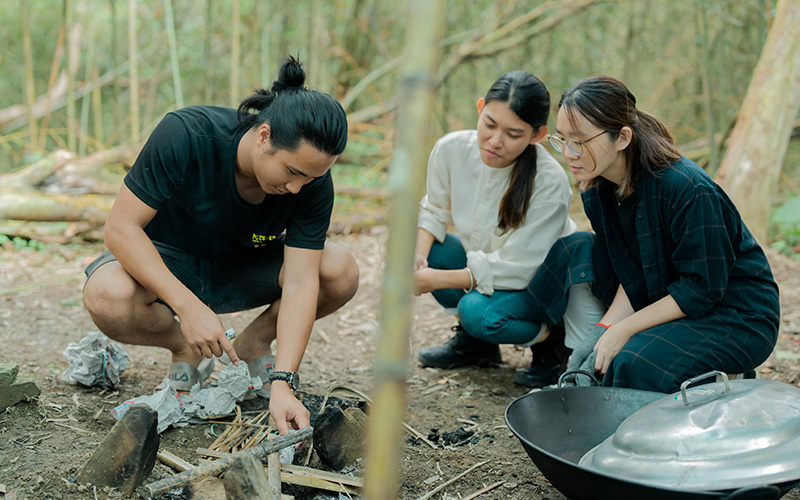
(784, 487)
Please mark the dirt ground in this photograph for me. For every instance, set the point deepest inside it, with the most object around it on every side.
(44, 443)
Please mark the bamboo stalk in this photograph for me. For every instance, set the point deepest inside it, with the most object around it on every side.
(173, 461)
(407, 176)
(54, 67)
(86, 99)
(97, 107)
(72, 141)
(30, 83)
(173, 54)
(133, 70)
(235, 48)
(705, 79)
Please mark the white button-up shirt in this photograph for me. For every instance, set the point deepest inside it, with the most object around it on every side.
(464, 193)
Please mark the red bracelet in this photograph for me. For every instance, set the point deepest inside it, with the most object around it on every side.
(604, 326)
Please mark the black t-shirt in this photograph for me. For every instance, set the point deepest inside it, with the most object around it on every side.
(186, 171)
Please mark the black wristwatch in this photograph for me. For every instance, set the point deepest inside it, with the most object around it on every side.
(292, 378)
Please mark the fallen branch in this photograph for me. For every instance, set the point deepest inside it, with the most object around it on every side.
(451, 481)
(484, 490)
(221, 465)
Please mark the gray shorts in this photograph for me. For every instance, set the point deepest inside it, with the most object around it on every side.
(238, 283)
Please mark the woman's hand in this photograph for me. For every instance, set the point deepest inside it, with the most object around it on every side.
(425, 280)
(420, 262)
(610, 343)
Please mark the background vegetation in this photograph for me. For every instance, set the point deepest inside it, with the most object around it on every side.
(687, 61)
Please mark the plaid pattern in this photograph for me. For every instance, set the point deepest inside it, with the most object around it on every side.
(693, 246)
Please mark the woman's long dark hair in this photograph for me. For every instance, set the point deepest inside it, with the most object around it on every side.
(608, 104)
(296, 113)
(528, 98)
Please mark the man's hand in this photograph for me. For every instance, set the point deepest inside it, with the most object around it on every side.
(285, 408)
(204, 333)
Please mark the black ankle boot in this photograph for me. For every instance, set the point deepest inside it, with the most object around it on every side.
(461, 350)
(548, 363)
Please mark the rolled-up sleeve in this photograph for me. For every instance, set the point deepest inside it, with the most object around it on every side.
(703, 255)
(435, 206)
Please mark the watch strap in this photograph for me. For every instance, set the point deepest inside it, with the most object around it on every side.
(291, 378)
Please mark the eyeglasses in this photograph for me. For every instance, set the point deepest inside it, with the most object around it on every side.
(575, 146)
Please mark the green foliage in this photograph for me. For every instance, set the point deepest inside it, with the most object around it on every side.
(786, 228)
(18, 243)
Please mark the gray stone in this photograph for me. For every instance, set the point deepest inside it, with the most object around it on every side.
(19, 390)
(8, 373)
(246, 479)
(128, 453)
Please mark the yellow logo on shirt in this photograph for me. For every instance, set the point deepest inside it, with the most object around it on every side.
(260, 240)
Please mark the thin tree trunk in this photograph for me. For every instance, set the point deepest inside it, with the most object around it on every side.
(54, 70)
(72, 141)
(705, 78)
(97, 106)
(236, 26)
(30, 87)
(265, 26)
(133, 64)
(407, 177)
(758, 143)
(208, 89)
(173, 54)
(86, 99)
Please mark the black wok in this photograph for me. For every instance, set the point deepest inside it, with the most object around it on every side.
(558, 426)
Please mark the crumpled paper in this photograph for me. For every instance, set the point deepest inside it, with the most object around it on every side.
(95, 360)
(233, 386)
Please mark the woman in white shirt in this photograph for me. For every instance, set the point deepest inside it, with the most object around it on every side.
(508, 201)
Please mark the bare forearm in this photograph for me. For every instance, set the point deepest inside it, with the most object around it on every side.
(619, 309)
(662, 311)
(295, 321)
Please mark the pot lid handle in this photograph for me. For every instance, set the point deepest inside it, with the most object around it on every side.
(720, 376)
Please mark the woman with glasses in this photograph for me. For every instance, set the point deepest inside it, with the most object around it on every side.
(508, 201)
(689, 288)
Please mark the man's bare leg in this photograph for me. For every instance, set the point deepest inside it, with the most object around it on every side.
(338, 284)
(127, 312)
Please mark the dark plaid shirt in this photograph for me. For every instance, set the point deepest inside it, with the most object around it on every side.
(692, 244)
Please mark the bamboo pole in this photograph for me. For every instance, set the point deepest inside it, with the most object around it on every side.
(54, 67)
(133, 67)
(236, 27)
(705, 79)
(30, 87)
(406, 181)
(97, 108)
(72, 141)
(265, 26)
(86, 99)
(208, 88)
(173, 54)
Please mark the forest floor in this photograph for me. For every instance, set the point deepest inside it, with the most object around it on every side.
(45, 442)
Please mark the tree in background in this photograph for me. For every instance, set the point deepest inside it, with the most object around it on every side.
(758, 143)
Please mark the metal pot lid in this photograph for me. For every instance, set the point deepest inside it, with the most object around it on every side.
(719, 436)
